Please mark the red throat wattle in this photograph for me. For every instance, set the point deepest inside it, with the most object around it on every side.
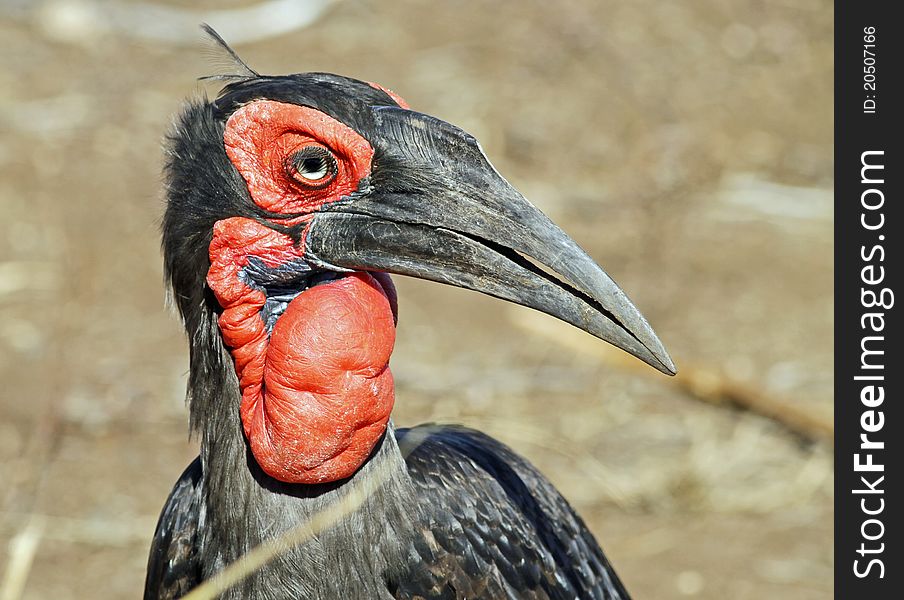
(317, 391)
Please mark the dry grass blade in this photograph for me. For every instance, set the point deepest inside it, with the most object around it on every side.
(264, 553)
(702, 383)
(22, 550)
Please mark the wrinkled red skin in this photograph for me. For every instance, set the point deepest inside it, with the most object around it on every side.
(261, 136)
(317, 392)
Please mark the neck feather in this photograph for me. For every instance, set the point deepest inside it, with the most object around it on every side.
(244, 506)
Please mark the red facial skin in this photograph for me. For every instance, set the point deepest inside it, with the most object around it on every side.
(260, 137)
(317, 392)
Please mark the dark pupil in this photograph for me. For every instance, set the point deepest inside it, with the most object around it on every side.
(312, 165)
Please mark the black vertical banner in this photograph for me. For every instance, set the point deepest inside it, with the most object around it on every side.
(869, 170)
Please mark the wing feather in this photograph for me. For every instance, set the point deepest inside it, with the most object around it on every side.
(173, 565)
(496, 528)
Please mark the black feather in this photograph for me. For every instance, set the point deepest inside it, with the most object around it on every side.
(174, 567)
(466, 518)
(245, 72)
(501, 529)
(460, 516)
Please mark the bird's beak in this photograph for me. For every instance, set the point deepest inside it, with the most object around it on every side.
(440, 211)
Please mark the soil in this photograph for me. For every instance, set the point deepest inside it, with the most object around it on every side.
(687, 147)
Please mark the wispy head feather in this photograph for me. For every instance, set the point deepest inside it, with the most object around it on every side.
(235, 63)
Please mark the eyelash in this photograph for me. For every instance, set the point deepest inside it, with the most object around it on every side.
(298, 163)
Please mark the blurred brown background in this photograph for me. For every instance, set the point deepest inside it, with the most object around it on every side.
(686, 146)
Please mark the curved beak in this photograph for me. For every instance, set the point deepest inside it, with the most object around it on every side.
(437, 210)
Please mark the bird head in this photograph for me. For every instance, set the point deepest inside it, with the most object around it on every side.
(354, 180)
(290, 199)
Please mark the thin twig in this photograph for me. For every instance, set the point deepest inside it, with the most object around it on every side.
(701, 383)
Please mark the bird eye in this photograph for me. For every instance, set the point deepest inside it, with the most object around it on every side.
(312, 165)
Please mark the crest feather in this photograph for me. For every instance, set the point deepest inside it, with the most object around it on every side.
(219, 47)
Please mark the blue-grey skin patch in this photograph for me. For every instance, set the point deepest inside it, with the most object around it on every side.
(282, 284)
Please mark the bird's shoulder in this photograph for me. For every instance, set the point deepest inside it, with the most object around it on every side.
(173, 565)
(494, 526)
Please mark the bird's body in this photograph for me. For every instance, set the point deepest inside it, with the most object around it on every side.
(460, 517)
(289, 200)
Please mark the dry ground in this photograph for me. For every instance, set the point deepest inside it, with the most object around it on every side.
(687, 146)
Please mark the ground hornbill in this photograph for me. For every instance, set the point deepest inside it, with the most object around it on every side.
(290, 198)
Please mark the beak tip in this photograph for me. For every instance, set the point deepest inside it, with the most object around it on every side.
(668, 367)
(656, 355)
(659, 359)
